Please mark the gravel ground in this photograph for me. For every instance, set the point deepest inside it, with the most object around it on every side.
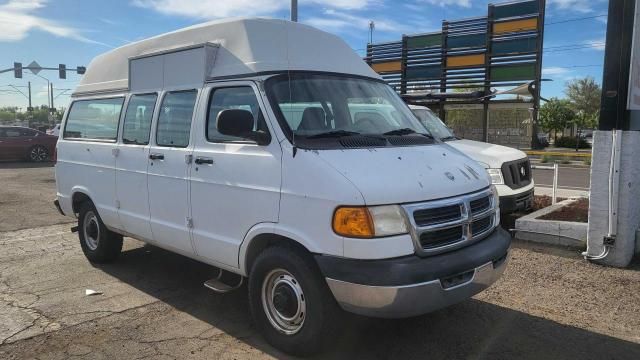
(550, 304)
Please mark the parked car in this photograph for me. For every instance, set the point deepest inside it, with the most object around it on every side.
(258, 149)
(22, 143)
(543, 139)
(509, 168)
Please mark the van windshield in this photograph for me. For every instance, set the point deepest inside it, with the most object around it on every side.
(434, 124)
(324, 111)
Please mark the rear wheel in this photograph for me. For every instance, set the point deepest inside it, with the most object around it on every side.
(291, 303)
(38, 153)
(98, 243)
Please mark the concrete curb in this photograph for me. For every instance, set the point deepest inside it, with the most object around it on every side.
(562, 233)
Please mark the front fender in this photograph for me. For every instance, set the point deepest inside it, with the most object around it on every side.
(272, 229)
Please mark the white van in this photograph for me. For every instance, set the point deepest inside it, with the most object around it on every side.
(509, 168)
(249, 145)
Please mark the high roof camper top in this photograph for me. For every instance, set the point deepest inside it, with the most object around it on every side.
(217, 50)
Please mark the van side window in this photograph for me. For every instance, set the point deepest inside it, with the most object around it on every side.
(174, 121)
(241, 97)
(137, 119)
(95, 119)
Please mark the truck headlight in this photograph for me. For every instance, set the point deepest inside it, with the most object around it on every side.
(369, 221)
(496, 176)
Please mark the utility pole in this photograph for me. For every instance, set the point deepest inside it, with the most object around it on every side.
(294, 10)
(29, 109)
(52, 108)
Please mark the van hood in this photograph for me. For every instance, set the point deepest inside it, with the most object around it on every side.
(490, 154)
(408, 174)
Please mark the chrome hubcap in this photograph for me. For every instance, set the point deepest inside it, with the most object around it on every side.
(91, 230)
(38, 154)
(283, 301)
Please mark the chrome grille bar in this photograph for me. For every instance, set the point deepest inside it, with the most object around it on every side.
(465, 221)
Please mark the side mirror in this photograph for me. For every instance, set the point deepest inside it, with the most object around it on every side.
(239, 123)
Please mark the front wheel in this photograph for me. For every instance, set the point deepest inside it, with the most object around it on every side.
(291, 303)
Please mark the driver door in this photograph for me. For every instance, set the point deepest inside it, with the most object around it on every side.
(235, 183)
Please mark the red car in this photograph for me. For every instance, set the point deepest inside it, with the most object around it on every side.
(21, 143)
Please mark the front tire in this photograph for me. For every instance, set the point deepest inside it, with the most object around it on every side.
(38, 153)
(290, 302)
(98, 243)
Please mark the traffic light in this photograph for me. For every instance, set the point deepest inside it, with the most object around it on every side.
(62, 71)
(17, 70)
(81, 70)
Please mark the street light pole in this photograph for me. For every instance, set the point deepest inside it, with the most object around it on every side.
(48, 88)
(294, 10)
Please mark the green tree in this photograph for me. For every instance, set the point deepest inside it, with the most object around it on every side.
(556, 114)
(584, 95)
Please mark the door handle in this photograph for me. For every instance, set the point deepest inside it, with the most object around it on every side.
(156, 156)
(204, 160)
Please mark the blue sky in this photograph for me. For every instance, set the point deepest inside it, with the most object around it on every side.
(72, 32)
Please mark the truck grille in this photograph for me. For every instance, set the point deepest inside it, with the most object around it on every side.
(517, 174)
(425, 217)
(448, 224)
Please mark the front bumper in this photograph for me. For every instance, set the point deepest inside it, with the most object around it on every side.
(411, 286)
(518, 202)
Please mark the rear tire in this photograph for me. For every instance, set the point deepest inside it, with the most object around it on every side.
(290, 301)
(38, 153)
(98, 243)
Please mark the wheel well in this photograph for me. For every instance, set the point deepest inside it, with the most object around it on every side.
(77, 200)
(263, 241)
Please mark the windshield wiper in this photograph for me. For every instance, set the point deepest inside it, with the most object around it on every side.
(333, 134)
(448, 138)
(406, 131)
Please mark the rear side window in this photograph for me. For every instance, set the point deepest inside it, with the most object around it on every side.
(137, 119)
(174, 121)
(95, 119)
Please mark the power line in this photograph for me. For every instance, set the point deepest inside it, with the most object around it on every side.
(576, 19)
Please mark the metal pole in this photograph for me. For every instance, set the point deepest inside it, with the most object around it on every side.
(52, 106)
(555, 183)
(294, 10)
(29, 109)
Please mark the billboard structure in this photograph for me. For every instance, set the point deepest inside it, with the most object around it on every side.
(500, 50)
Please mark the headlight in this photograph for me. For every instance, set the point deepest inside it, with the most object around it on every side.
(496, 201)
(496, 176)
(369, 222)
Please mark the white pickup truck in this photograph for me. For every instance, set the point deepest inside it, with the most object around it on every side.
(509, 168)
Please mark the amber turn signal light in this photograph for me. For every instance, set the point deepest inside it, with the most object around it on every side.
(353, 222)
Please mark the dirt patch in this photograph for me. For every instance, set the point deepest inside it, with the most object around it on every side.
(543, 201)
(576, 212)
(27, 192)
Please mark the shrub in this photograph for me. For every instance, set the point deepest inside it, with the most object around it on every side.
(587, 161)
(565, 160)
(570, 142)
(546, 159)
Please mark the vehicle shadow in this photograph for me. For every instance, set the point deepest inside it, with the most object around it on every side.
(24, 165)
(472, 329)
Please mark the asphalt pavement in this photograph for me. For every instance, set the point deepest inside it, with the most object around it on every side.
(573, 178)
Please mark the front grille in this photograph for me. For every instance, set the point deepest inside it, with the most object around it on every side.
(431, 240)
(517, 174)
(441, 215)
(482, 225)
(480, 205)
(444, 225)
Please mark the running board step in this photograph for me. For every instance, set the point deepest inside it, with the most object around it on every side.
(216, 284)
